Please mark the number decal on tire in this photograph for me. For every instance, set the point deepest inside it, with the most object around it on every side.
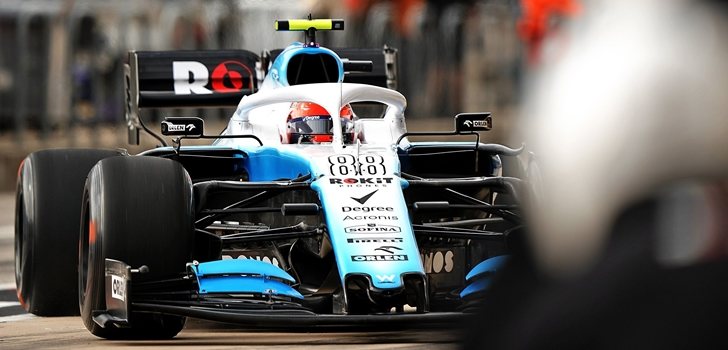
(118, 287)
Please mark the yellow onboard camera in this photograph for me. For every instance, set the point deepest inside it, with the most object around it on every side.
(310, 26)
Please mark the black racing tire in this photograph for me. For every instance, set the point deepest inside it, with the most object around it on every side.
(47, 211)
(138, 210)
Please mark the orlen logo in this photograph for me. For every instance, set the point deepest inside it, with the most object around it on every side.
(192, 77)
(179, 127)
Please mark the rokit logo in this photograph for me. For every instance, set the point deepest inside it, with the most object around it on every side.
(372, 228)
(192, 77)
(361, 181)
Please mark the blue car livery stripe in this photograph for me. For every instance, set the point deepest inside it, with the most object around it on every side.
(370, 229)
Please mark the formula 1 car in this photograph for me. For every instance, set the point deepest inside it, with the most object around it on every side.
(325, 217)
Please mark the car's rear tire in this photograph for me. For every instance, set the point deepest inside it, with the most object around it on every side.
(138, 210)
(47, 210)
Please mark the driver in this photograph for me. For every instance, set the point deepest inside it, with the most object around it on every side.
(310, 123)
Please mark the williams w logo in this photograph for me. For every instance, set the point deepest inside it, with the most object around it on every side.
(385, 278)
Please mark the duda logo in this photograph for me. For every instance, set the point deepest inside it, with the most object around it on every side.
(476, 123)
(192, 77)
(469, 122)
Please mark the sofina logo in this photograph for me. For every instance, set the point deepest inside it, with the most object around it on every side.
(372, 228)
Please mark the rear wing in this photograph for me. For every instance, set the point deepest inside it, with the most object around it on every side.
(158, 79)
(220, 78)
(382, 72)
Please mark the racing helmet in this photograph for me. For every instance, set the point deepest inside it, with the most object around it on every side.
(308, 122)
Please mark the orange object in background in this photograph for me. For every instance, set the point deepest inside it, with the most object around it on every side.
(402, 10)
(536, 21)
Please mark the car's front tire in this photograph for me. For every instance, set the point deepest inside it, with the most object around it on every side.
(138, 210)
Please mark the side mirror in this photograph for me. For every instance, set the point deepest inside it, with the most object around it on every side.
(183, 126)
(469, 122)
(357, 65)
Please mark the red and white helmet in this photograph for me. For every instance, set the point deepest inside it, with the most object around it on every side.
(308, 122)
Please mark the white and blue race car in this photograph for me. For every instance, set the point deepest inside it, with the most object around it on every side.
(313, 207)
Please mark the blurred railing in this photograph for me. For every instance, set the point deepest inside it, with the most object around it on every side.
(61, 61)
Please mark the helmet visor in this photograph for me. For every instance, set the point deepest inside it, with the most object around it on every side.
(317, 125)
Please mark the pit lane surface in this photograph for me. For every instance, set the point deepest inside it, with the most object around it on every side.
(19, 330)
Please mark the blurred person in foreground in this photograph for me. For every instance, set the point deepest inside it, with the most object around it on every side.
(627, 245)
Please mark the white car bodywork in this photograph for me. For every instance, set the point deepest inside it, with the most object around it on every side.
(264, 113)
